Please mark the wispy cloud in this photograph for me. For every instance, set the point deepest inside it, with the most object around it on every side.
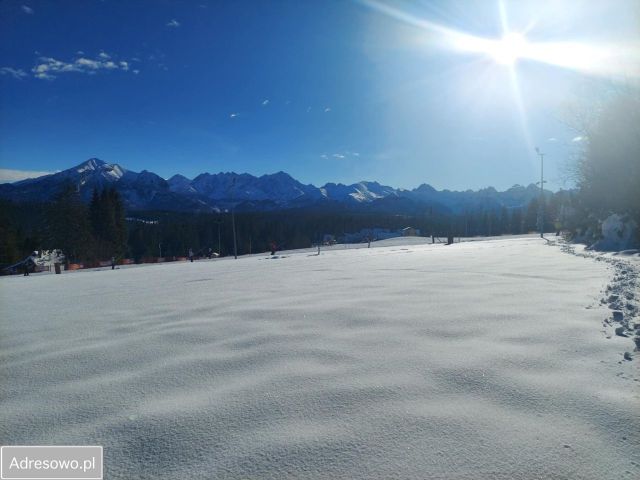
(173, 23)
(552, 139)
(347, 155)
(265, 102)
(49, 68)
(234, 115)
(27, 9)
(577, 139)
(327, 109)
(16, 73)
(9, 176)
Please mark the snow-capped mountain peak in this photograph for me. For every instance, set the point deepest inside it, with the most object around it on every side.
(212, 192)
(90, 165)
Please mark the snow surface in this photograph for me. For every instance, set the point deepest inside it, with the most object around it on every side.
(475, 360)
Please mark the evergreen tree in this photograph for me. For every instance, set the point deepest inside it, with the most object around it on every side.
(609, 170)
(516, 221)
(68, 225)
(9, 247)
(119, 224)
(530, 223)
(108, 224)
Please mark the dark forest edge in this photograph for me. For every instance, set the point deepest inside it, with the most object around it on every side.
(89, 233)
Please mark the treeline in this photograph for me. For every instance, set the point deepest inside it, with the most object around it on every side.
(100, 230)
(608, 170)
(83, 232)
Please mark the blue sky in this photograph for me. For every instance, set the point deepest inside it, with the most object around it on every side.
(325, 90)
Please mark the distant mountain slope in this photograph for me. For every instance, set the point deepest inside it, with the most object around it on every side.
(211, 192)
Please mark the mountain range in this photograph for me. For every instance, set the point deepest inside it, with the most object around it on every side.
(218, 192)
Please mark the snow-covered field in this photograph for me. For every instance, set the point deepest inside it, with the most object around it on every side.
(477, 360)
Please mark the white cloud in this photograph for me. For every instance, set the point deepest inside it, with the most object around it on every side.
(88, 63)
(577, 139)
(265, 102)
(16, 73)
(173, 23)
(44, 76)
(552, 139)
(233, 115)
(136, 71)
(328, 109)
(26, 9)
(7, 175)
(342, 155)
(49, 68)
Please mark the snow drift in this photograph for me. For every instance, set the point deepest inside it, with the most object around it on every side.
(475, 360)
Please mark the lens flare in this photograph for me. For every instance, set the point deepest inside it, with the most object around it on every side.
(610, 60)
(509, 49)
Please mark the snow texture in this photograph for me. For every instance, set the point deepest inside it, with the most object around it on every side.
(621, 295)
(478, 360)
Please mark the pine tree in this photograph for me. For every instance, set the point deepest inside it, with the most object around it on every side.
(531, 217)
(516, 221)
(9, 250)
(119, 223)
(69, 226)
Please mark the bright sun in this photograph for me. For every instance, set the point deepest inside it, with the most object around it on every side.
(509, 48)
(611, 60)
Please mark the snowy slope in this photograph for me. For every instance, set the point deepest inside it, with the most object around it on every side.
(477, 360)
(362, 192)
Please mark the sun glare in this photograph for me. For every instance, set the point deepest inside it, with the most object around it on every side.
(621, 60)
(508, 49)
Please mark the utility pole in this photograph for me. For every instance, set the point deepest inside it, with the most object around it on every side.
(541, 204)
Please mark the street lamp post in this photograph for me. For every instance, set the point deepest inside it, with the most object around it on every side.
(541, 204)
